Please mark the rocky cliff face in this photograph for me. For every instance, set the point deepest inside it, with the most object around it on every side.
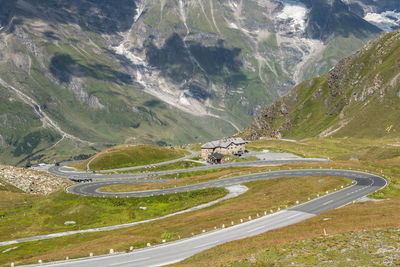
(85, 73)
(357, 98)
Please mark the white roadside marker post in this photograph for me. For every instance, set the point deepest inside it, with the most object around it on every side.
(91, 254)
(111, 251)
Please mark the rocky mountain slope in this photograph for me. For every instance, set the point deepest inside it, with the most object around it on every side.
(31, 181)
(360, 97)
(75, 75)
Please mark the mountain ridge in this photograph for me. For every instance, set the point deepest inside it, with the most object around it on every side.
(357, 98)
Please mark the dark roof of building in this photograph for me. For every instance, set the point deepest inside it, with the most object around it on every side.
(216, 156)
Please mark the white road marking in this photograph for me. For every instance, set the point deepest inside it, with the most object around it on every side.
(326, 203)
(126, 262)
(295, 215)
(205, 245)
(255, 229)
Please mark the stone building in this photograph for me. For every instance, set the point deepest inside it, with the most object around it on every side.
(227, 146)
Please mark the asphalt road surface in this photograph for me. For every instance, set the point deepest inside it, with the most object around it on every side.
(176, 251)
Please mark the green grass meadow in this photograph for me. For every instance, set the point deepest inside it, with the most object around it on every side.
(47, 214)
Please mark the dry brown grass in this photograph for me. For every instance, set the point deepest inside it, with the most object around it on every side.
(354, 217)
(10, 199)
(225, 173)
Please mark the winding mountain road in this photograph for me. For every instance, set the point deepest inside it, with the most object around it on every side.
(58, 170)
(178, 250)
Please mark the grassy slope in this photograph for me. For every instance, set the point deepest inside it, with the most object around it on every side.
(172, 166)
(358, 98)
(41, 215)
(364, 248)
(186, 178)
(263, 195)
(334, 148)
(130, 156)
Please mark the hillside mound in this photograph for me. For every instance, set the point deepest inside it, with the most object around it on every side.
(130, 156)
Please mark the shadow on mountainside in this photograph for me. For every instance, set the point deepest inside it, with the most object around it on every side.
(100, 16)
(180, 63)
(64, 67)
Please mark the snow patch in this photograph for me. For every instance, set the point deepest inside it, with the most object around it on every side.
(387, 21)
(139, 11)
(296, 12)
(233, 26)
(183, 98)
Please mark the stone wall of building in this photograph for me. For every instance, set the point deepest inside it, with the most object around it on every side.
(230, 150)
